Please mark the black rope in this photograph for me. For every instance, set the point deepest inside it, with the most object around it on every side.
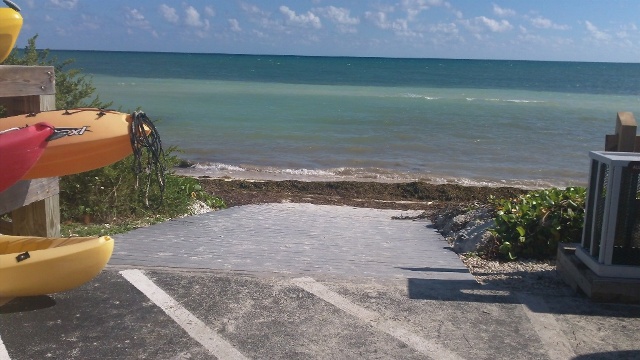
(144, 135)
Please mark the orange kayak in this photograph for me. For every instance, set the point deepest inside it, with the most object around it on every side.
(95, 138)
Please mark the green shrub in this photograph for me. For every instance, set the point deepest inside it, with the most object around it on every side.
(532, 225)
(114, 194)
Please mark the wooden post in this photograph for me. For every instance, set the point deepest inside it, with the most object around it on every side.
(33, 204)
(625, 138)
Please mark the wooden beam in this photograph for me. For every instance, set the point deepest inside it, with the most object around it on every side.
(611, 142)
(41, 218)
(6, 227)
(27, 80)
(26, 192)
(21, 105)
(626, 130)
(47, 102)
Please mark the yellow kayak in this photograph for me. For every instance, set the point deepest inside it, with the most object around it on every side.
(10, 24)
(31, 266)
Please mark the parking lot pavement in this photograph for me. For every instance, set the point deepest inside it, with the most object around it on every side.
(193, 314)
(404, 311)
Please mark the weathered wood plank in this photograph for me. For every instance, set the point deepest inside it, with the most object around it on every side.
(26, 192)
(47, 102)
(6, 227)
(626, 127)
(611, 142)
(598, 288)
(19, 80)
(41, 218)
(21, 105)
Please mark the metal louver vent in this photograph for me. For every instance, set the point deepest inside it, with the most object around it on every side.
(611, 235)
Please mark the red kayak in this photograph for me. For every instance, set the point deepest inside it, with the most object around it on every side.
(20, 149)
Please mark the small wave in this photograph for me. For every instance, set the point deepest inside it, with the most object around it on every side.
(218, 167)
(418, 96)
(506, 100)
(524, 101)
(301, 172)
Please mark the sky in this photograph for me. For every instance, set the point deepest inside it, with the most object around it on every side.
(565, 30)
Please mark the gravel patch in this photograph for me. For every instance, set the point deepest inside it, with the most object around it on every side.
(467, 231)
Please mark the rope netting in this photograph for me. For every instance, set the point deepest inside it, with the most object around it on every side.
(145, 139)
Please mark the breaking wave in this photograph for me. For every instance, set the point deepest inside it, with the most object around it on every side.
(247, 172)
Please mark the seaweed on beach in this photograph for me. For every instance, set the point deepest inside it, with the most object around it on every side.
(401, 196)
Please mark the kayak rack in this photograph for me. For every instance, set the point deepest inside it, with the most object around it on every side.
(32, 206)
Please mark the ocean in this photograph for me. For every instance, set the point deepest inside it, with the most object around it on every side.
(472, 122)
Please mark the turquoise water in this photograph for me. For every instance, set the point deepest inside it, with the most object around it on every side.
(463, 121)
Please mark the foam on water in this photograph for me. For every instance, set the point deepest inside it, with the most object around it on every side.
(355, 174)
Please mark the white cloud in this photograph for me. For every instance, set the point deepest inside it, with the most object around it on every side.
(595, 32)
(262, 18)
(209, 11)
(134, 19)
(398, 26)
(449, 29)
(308, 19)
(415, 7)
(626, 30)
(503, 12)
(169, 14)
(234, 25)
(65, 4)
(341, 17)
(253, 10)
(378, 18)
(192, 19)
(456, 12)
(259, 34)
(544, 23)
(494, 25)
(444, 33)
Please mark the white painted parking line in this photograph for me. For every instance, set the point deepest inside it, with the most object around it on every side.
(547, 328)
(198, 330)
(4, 354)
(424, 346)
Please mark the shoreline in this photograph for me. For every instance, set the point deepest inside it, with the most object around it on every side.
(304, 175)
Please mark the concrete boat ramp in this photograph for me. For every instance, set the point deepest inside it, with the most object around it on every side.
(301, 281)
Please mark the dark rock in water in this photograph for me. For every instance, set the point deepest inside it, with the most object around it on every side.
(184, 164)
